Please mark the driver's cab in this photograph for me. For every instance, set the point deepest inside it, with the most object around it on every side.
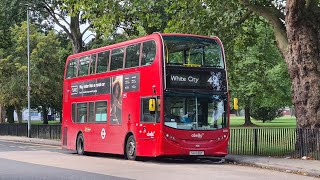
(195, 112)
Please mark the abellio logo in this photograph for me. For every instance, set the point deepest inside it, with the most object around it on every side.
(197, 135)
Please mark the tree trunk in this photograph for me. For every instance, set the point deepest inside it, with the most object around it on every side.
(45, 114)
(76, 35)
(2, 114)
(10, 114)
(247, 120)
(19, 114)
(303, 60)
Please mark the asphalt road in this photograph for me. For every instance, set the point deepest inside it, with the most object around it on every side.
(36, 161)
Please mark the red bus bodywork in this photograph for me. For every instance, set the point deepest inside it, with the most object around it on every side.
(152, 139)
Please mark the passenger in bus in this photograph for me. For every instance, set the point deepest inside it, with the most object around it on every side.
(217, 113)
(184, 118)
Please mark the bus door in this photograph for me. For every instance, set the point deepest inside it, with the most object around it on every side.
(95, 130)
(149, 127)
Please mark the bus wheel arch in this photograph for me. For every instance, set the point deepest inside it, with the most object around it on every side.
(130, 147)
(80, 143)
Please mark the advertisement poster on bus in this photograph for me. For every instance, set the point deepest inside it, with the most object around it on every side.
(90, 87)
(116, 100)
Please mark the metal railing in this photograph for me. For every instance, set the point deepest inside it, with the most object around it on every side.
(281, 142)
(37, 130)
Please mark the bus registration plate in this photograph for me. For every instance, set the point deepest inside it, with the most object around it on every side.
(196, 153)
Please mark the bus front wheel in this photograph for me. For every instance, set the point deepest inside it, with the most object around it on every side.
(131, 148)
(80, 144)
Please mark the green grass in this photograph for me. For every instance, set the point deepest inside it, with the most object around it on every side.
(269, 142)
(282, 122)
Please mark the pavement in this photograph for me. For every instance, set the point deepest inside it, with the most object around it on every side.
(299, 166)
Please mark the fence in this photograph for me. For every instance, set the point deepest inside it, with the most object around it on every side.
(37, 131)
(243, 141)
(275, 142)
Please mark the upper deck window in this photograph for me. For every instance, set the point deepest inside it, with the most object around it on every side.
(84, 65)
(148, 53)
(132, 55)
(117, 59)
(103, 61)
(72, 68)
(92, 64)
(193, 51)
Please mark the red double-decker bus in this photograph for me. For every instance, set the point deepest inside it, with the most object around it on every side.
(158, 95)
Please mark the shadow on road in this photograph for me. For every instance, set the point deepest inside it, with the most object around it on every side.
(162, 160)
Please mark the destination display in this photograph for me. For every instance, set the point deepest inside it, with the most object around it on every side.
(186, 79)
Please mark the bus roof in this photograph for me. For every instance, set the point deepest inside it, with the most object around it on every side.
(132, 41)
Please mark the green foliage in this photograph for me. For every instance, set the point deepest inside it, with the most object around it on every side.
(265, 113)
(257, 72)
(258, 75)
(116, 38)
(47, 70)
(280, 122)
(9, 14)
(46, 67)
(103, 15)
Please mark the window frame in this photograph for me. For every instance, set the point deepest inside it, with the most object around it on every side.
(75, 112)
(95, 112)
(95, 60)
(123, 58)
(156, 115)
(95, 64)
(76, 67)
(79, 65)
(85, 120)
(155, 55)
(108, 62)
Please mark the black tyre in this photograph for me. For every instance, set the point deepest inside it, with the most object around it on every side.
(80, 144)
(131, 148)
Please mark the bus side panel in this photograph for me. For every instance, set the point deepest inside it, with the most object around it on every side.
(116, 133)
(68, 128)
(148, 133)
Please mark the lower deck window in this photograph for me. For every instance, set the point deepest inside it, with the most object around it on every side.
(90, 112)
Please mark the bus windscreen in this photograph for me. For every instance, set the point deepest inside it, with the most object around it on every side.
(200, 112)
(193, 51)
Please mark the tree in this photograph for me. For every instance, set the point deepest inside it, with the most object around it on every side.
(206, 19)
(258, 74)
(62, 13)
(13, 69)
(10, 14)
(103, 16)
(296, 30)
(47, 70)
(295, 26)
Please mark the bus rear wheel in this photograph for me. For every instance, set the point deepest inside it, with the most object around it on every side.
(80, 144)
(131, 148)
